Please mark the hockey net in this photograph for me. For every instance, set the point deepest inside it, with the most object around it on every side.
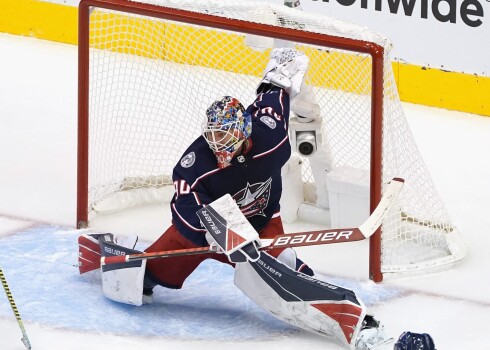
(149, 71)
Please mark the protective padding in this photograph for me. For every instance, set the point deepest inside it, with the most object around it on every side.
(122, 282)
(125, 285)
(301, 300)
(227, 225)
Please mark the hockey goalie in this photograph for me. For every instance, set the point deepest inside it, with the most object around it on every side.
(231, 177)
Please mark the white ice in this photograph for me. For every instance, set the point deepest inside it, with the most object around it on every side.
(38, 132)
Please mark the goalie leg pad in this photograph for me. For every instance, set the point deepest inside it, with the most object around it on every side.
(122, 282)
(89, 257)
(89, 253)
(301, 300)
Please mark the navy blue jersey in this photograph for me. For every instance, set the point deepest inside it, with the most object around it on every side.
(253, 179)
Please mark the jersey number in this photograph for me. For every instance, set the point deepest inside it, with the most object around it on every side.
(181, 187)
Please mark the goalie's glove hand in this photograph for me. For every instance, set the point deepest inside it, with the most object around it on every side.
(249, 252)
(286, 69)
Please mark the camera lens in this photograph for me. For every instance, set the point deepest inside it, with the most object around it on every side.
(305, 148)
(306, 142)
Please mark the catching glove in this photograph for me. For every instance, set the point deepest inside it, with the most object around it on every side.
(286, 69)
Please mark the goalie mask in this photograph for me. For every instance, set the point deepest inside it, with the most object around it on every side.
(226, 127)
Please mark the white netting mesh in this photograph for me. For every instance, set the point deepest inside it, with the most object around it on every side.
(151, 81)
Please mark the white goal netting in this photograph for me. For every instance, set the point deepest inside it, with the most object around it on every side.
(151, 80)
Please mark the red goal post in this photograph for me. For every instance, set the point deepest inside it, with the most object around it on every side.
(221, 22)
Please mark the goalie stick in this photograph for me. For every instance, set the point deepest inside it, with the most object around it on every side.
(24, 339)
(298, 239)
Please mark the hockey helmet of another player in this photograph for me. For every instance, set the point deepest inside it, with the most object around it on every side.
(226, 127)
(414, 341)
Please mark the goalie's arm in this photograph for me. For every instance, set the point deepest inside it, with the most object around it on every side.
(186, 202)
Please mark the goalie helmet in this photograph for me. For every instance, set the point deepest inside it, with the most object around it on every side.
(414, 341)
(226, 127)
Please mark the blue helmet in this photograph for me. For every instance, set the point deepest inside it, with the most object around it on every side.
(414, 341)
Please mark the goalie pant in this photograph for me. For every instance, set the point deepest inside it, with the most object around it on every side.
(301, 300)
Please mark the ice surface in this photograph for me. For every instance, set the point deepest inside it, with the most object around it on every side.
(38, 90)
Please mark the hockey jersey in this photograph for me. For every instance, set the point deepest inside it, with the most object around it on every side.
(253, 179)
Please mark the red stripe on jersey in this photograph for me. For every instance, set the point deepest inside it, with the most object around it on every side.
(198, 201)
(272, 149)
(248, 213)
(281, 100)
(185, 222)
(203, 176)
(258, 99)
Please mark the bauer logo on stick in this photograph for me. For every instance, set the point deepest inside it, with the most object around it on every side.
(313, 238)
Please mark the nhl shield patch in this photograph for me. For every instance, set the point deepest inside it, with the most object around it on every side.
(188, 160)
(271, 123)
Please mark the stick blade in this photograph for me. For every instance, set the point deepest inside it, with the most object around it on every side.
(384, 206)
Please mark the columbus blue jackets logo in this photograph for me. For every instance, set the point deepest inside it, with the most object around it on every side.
(253, 199)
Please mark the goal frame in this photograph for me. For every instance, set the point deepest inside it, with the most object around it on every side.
(375, 51)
